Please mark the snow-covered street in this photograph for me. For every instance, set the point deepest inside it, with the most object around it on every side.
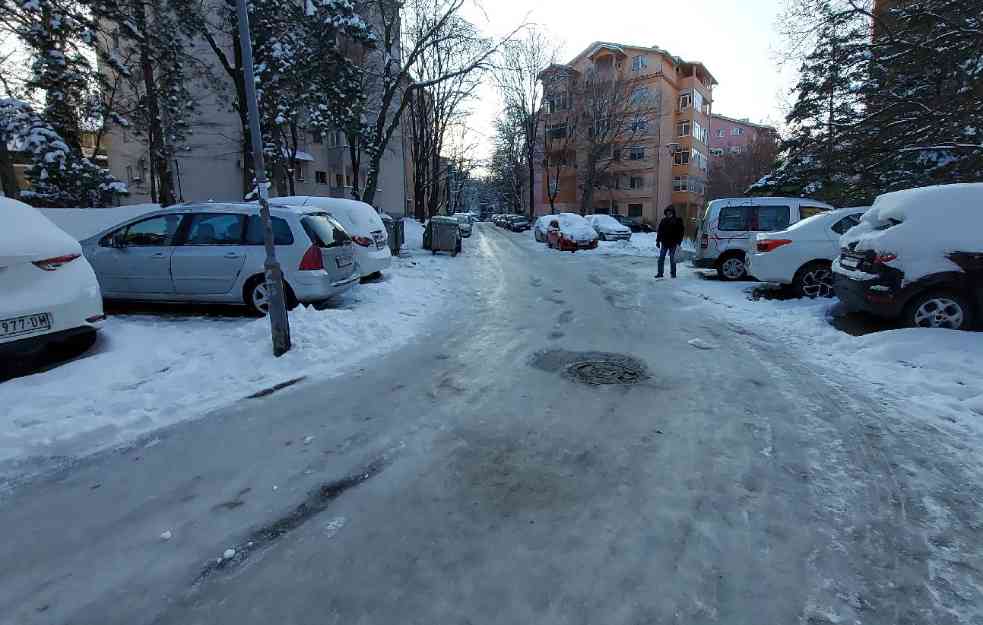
(757, 466)
(154, 369)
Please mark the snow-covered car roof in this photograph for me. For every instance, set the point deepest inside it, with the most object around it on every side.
(27, 233)
(357, 217)
(922, 227)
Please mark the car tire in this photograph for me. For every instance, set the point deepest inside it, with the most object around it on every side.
(256, 286)
(940, 309)
(732, 267)
(814, 280)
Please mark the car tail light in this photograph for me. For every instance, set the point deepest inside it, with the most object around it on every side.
(705, 241)
(363, 241)
(768, 245)
(883, 259)
(50, 264)
(312, 260)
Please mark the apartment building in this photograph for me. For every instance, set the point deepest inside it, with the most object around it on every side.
(735, 136)
(209, 166)
(662, 158)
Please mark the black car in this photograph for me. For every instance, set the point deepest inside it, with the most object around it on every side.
(635, 223)
(517, 223)
(948, 299)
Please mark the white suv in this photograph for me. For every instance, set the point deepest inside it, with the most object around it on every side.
(729, 225)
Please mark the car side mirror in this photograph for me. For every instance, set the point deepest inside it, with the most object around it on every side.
(118, 240)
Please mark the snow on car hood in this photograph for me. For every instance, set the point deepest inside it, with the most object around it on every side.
(606, 223)
(575, 227)
(922, 226)
(28, 235)
(358, 218)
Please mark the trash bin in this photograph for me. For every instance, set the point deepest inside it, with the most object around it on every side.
(443, 234)
(396, 231)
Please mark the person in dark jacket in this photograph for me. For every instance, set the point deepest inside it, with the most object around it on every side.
(669, 238)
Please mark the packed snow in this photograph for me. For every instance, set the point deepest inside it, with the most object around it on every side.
(150, 370)
(922, 226)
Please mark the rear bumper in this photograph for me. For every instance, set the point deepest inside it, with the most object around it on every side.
(371, 261)
(617, 236)
(319, 287)
(868, 296)
(771, 268)
(36, 343)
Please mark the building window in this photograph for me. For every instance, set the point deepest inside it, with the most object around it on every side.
(640, 95)
(721, 132)
(298, 172)
(557, 131)
(636, 153)
(699, 132)
(638, 63)
(697, 100)
(129, 173)
(634, 210)
(680, 183)
(737, 132)
(317, 137)
(680, 157)
(717, 151)
(338, 180)
(348, 180)
(640, 125)
(321, 177)
(685, 100)
(736, 149)
(700, 159)
(682, 129)
(636, 182)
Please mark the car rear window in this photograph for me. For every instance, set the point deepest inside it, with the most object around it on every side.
(810, 211)
(324, 231)
(281, 231)
(764, 218)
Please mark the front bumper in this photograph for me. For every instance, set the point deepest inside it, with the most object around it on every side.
(868, 296)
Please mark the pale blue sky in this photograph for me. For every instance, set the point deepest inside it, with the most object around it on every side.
(736, 40)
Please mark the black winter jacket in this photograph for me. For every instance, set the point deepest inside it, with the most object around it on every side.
(671, 230)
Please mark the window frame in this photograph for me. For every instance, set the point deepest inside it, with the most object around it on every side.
(184, 230)
(274, 220)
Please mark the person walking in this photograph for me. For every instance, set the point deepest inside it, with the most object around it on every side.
(668, 239)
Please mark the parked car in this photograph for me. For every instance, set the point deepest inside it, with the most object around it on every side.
(608, 228)
(802, 255)
(50, 292)
(464, 221)
(727, 226)
(569, 232)
(917, 256)
(635, 223)
(211, 252)
(517, 223)
(362, 223)
(540, 226)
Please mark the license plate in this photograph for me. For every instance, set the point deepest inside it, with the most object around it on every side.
(344, 261)
(28, 324)
(849, 263)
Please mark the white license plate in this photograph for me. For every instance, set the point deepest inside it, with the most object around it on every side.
(28, 324)
(849, 263)
(344, 261)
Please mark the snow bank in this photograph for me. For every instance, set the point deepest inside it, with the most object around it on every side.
(83, 223)
(923, 226)
(149, 371)
(26, 233)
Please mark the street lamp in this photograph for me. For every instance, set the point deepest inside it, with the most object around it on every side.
(279, 324)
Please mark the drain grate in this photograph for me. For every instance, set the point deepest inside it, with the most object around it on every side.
(606, 372)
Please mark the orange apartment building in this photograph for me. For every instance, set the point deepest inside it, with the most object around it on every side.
(665, 163)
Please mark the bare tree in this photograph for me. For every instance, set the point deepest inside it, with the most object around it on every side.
(612, 112)
(733, 173)
(522, 60)
(558, 136)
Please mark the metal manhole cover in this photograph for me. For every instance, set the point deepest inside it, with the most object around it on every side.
(606, 372)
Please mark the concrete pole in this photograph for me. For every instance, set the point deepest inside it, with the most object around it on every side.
(279, 324)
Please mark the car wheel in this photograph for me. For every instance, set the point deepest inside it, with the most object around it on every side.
(940, 309)
(257, 296)
(732, 268)
(814, 280)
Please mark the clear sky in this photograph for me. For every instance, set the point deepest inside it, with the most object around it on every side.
(736, 39)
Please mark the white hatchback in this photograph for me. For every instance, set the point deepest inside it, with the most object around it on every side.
(50, 292)
(608, 228)
(802, 254)
(361, 221)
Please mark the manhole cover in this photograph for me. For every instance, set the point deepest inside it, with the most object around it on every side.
(606, 372)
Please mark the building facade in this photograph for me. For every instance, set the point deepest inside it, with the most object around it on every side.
(735, 136)
(659, 159)
(209, 165)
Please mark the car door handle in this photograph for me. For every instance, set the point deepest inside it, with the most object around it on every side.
(233, 255)
(158, 255)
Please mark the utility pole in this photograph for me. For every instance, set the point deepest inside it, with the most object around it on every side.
(279, 324)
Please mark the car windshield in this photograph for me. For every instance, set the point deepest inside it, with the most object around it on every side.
(288, 335)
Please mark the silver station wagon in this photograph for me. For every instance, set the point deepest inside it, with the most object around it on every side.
(213, 252)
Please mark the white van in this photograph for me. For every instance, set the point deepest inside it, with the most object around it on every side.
(729, 226)
(362, 223)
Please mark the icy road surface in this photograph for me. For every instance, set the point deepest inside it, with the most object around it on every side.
(468, 478)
